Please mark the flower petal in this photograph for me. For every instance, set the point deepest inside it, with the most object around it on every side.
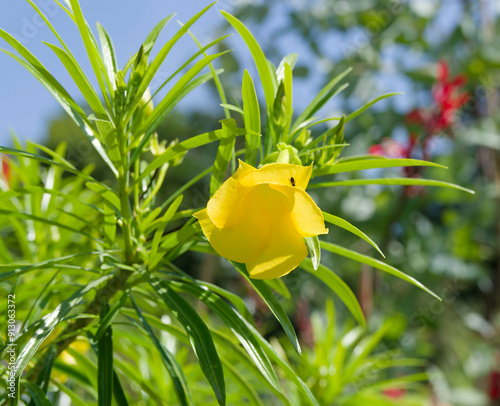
(286, 248)
(247, 240)
(280, 174)
(229, 203)
(305, 214)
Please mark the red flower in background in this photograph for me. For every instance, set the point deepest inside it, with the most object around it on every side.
(389, 148)
(447, 98)
(424, 124)
(494, 385)
(394, 393)
(5, 170)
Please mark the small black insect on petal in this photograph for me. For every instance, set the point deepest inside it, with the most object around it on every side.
(292, 181)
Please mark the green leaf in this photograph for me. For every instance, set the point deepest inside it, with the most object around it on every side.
(173, 367)
(92, 50)
(105, 361)
(60, 164)
(199, 334)
(323, 96)
(38, 397)
(246, 387)
(108, 54)
(374, 263)
(336, 284)
(368, 105)
(372, 164)
(390, 181)
(80, 79)
(50, 321)
(224, 154)
(279, 287)
(274, 305)
(155, 32)
(340, 222)
(119, 394)
(363, 350)
(25, 216)
(191, 86)
(235, 322)
(258, 57)
(251, 115)
(65, 100)
(312, 244)
(107, 319)
(108, 195)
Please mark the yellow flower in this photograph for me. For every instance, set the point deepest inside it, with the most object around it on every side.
(259, 217)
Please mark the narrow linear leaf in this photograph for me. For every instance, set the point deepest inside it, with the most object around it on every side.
(173, 368)
(251, 115)
(105, 361)
(323, 96)
(50, 321)
(80, 79)
(372, 164)
(258, 57)
(235, 322)
(155, 32)
(340, 222)
(199, 334)
(390, 181)
(337, 285)
(38, 397)
(224, 154)
(274, 305)
(336, 249)
(312, 244)
(368, 105)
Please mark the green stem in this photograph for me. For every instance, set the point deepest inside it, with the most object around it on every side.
(123, 193)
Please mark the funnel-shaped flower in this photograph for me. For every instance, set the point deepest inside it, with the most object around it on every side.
(260, 216)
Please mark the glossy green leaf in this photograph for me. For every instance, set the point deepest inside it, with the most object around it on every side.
(224, 154)
(105, 361)
(174, 370)
(80, 79)
(340, 222)
(258, 57)
(274, 305)
(160, 58)
(337, 285)
(155, 32)
(336, 249)
(371, 164)
(312, 244)
(199, 334)
(108, 55)
(38, 397)
(93, 52)
(173, 151)
(235, 322)
(251, 115)
(390, 181)
(50, 321)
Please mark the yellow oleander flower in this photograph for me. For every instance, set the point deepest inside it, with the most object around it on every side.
(259, 217)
